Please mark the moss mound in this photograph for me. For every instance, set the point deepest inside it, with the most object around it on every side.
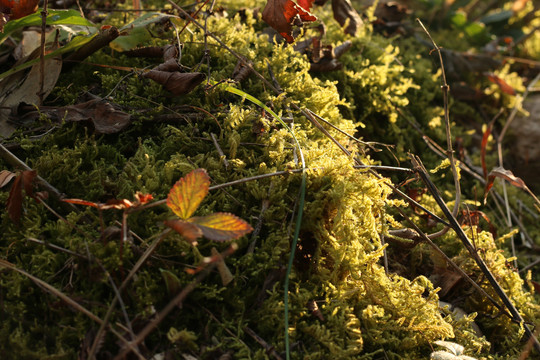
(342, 302)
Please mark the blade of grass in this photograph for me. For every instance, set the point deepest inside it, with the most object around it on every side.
(300, 206)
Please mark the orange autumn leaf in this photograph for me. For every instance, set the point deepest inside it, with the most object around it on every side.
(18, 8)
(503, 85)
(221, 226)
(140, 199)
(188, 192)
(189, 231)
(283, 14)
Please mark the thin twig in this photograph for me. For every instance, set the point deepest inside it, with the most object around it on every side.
(135, 268)
(220, 152)
(454, 224)
(449, 151)
(177, 301)
(501, 161)
(267, 347)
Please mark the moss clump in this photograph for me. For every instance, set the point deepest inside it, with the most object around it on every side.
(363, 310)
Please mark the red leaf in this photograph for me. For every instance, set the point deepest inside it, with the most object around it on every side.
(28, 177)
(5, 177)
(14, 203)
(140, 199)
(189, 231)
(503, 85)
(485, 138)
(81, 202)
(143, 198)
(188, 192)
(222, 226)
(15, 9)
(506, 175)
(283, 14)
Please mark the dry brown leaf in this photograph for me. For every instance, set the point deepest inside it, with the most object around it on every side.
(176, 82)
(5, 177)
(19, 88)
(343, 12)
(106, 117)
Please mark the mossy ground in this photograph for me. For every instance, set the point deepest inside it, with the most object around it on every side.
(366, 312)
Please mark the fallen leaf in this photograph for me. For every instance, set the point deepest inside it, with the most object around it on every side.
(106, 117)
(343, 12)
(5, 177)
(503, 85)
(283, 14)
(188, 192)
(176, 82)
(16, 9)
(506, 175)
(24, 180)
(221, 226)
(19, 88)
(189, 231)
(120, 204)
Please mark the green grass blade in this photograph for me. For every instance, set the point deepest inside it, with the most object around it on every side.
(300, 207)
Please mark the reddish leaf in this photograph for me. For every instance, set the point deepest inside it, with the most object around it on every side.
(503, 85)
(283, 14)
(188, 192)
(222, 226)
(81, 202)
(143, 198)
(15, 9)
(189, 231)
(28, 177)
(485, 138)
(5, 177)
(506, 175)
(140, 199)
(14, 203)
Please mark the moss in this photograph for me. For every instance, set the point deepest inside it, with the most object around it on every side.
(338, 263)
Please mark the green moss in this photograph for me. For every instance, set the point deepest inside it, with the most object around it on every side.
(364, 311)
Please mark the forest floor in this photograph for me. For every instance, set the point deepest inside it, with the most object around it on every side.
(270, 179)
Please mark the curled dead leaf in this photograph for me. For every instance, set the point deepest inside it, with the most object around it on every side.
(345, 14)
(5, 177)
(106, 117)
(176, 82)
